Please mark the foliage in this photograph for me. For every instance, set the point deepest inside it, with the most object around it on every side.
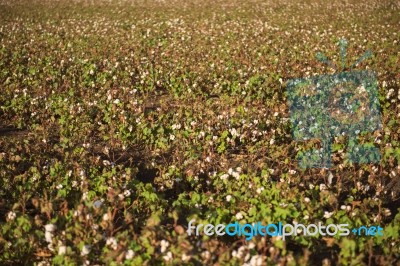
(138, 117)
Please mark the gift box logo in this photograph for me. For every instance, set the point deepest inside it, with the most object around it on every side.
(341, 104)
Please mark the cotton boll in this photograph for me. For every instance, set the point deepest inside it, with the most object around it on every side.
(86, 250)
